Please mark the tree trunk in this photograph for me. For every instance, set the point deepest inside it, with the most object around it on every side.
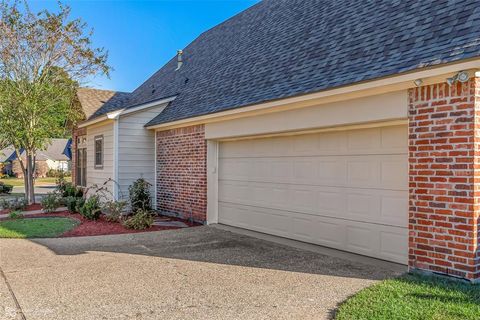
(29, 187)
(24, 170)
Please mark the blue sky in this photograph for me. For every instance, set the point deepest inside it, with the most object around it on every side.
(141, 36)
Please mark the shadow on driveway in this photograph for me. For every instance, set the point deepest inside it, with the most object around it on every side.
(212, 245)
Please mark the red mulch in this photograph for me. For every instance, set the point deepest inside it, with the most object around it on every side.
(100, 226)
(30, 207)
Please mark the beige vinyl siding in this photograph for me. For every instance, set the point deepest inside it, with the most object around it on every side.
(100, 175)
(136, 149)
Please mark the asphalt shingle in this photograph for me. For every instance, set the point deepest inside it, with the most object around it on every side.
(283, 48)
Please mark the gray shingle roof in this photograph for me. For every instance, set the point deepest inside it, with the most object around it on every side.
(53, 151)
(283, 48)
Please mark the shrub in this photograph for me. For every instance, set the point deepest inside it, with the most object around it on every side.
(15, 215)
(71, 203)
(139, 221)
(113, 210)
(67, 189)
(91, 209)
(79, 203)
(140, 198)
(13, 204)
(51, 202)
(5, 188)
(57, 173)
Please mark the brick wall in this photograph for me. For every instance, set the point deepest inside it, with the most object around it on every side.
(182, 172)
(75, 133)
(444, 136)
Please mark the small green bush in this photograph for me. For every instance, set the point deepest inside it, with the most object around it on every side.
(79, 204)
(71, 203)
(139, 221)
(13, 204)
(67, 189)
(113, 210)
(5, 188)
(15, 215)
(140, 198)
(91, 209)
(51, 202)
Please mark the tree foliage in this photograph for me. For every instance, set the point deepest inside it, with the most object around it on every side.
(43, 58)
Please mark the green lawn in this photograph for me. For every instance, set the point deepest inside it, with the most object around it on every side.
(414, 297)
(40, 181)
(36, 227)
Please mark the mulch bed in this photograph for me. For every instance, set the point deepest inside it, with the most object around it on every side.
(100, 226)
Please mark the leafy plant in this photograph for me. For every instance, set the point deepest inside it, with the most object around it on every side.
(113, 210)
(91, 209)
(140, 198)
(79, 203)
(139, 221)
(51, 202)
(15, 215)
(5, 188)
(67, 189)
(13, 204)
(71, 203)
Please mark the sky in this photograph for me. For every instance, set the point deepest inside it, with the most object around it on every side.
(141, 36)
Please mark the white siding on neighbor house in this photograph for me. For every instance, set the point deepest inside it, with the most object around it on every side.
(100, 175)
(136, 150)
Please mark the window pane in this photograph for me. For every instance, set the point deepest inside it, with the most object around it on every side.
(98, 157)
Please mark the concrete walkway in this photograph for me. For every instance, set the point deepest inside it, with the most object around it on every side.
(193, 273)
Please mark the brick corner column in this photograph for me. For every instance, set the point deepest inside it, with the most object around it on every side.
(182, 172)
(444, 157)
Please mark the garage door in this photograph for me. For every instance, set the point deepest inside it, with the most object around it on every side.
(342, 189)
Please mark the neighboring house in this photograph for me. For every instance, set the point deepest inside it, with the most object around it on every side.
(6, 157)
(52, 158)
(352, 125)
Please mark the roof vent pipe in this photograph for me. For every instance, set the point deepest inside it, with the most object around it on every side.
(179, 59)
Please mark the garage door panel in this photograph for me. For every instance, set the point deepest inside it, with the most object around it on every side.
(373, 205)
(385, 140)
(382, 242)
(368, 171)
(344, 189)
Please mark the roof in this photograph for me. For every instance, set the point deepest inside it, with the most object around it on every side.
(283, 48)
(96, 102)
(6, 154)
(54, 151)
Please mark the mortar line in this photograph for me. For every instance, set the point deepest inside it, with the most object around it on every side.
(12, 294)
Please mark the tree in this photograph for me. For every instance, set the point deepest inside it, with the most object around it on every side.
(43, 58)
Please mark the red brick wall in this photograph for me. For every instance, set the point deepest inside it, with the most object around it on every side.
(444, 158)
(75, 133)
(182, 172)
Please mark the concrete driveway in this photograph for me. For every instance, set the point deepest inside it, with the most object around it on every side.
(195, 273)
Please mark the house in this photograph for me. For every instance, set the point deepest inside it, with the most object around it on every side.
(53, 157)
(6, 156)
(351, 125)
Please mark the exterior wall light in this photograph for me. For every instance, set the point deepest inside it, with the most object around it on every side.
(462, 77)
(418, 82)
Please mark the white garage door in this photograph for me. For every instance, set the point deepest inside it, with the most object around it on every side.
(342, 189)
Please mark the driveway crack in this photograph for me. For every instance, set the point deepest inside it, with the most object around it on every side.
(19, 310)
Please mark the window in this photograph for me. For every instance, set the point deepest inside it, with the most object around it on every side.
(81, 174)
(98, 150)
